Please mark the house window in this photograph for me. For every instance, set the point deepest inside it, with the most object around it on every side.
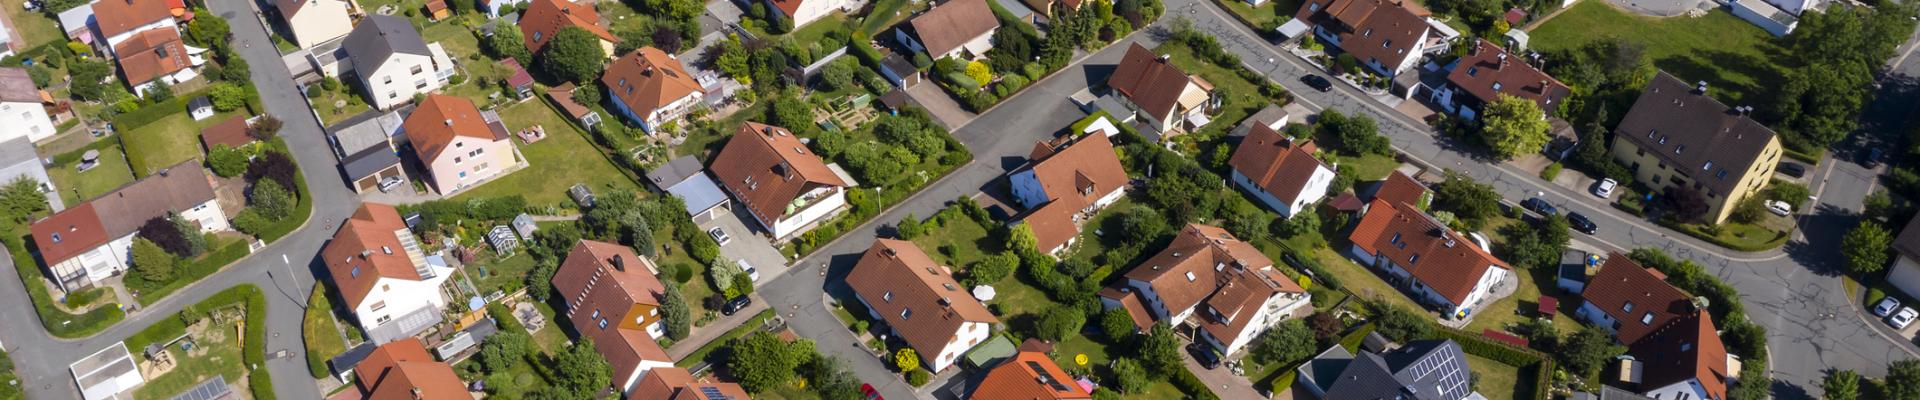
(1190, 277)
(906, 313)
(56, 238)
(463, 174)
(416, 70)
(382, 320)
(482, 167)
(1646, 319)
(1627, 307)
(354, 274)
(1315, 7)
(388, 80)
(596, 314)
(1413, 258)
(1708, 167)
(457, 160)
(887, 297)
(1496, 86)
(1678, 149)
(536, 36)
(393, 95)
(1473, 71)
(377, 306)
(420, 84)
(603, 323)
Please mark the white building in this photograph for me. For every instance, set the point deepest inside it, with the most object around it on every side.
(962, 29)
(20, 109)
(920, 302)
(1062, 185)
(783, 185)
(1281, 171)
(92, 241)
(1232, 286)
(107, 373)
(392, 62)
(613, 298)
(1168, 99)
(384, 276)
(317, 21)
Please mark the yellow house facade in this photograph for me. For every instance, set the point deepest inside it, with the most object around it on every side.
(1676, 135)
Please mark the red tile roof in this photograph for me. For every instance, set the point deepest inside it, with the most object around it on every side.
(1688, 347)
(1073, 176)
(1130, 301)
(1277, 164)
(121, 212)
(432, 126)
(894, 277)
(1149, 81)
(545, 18)
(1382, 30)
(1029, 375)
(520, 77)
(767, 169)
(1399, 188)
(151, 54)
(648, 79)
(951, 24)
(1444, 260)
(115, 17)
(1205, 264)
(1631, 294)
(366, 248)
(232, 132)
(402, 370)
(673, 383)
(1488, 71)
(611, 298)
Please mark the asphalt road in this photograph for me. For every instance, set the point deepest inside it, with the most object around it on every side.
(284, 270)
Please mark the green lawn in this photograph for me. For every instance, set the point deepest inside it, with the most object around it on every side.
(351, 105)
(505, 274)
(969, 238)
(1267, 16)
(818, 29)
(35, 28)
(8, 390)
(463, 47)
(1740, 61)
(166, 142)
(321, 331)
(76, 186)
(216, 351)
(1367, 168)
(1358, 279)
(1497, 381)
(561, 160)
(1524, 303)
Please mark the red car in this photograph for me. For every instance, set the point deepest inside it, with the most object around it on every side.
(867, 392)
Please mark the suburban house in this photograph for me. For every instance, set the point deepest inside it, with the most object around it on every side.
(19, 160)
(20, 108)
(1425, 370)
(1063, 185)
(1397, 188)
(116, 21)
(684, 178)
(1677, 352)
(1904, 275)
(1677, 138)
(897, 282)
(1028, 375)
(1215, 282)
(92, 241)
(613, 298)
(1045, 7)
(803, 12)
(368, 152)
(1279, 170)
(1167, 100)
(1441, 268)
(1631, 301)
(1387, 36)
(156, 55)
(402, 369)
(393, 63)
(460, 145)
(1487, 72)
(381, 271)
(962, 29)
(675, 383)
(651, 88)
(545, 18)
(313, 22)
(786, 187)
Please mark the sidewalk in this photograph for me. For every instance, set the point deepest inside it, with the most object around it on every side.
(699, 336)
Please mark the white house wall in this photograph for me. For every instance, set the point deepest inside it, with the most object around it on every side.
(401, 297)
(794, 224)
(1905, 276)
(25, 119)
(320, 21)
(399, 68)
(968, 335)
(1690, 388)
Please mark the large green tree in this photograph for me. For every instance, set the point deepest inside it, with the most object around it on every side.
(1513, 126)
(1472, 201)
(21, 199)
(574, 55)
(499, 352)
(674, 311)
(580, 370)
(1841, 385)
(1058, 323)
(1160, 352)
(1866, 247)
(1903, 380)
(1586, 351)
(152, 263)
(762, 361)
(1285, 344)
(507, 42)
(1817, 104)
(1535, 245)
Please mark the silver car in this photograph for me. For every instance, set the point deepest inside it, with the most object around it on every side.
(1886, 306)
(1605, 188)
(1903, 318)
(719, 236)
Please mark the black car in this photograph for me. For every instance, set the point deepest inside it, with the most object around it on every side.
(1792, 169)
(1203, 354)
(1540, 206)
(1317, 82)
(1873, 158)
(735, 305)
(1581, 223)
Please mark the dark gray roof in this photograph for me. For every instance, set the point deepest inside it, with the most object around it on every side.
(1614, 393)
(17, 87)
(1694, 134)
(379, 37)
(17, 150)
(671, 173)
(199, 103)
(346, 361)
(1365, 378)
(368, 162)
(1424, 370)
(1908, 243)
(1266, 115)
(1323, 370)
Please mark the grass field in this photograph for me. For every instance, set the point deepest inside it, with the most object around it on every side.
(8, 390)
(555, 163)
(969, 238)
(321, 331)
(1738, 60)
(166, 142)
(1367, 168)
(76, 186)
(1269, 15)
(1497, 381)
(1524, 304)
(351, 105)
(35, 28)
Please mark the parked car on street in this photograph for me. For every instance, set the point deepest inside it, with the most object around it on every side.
(867, 392)
(1581, 223)
(1793, 169)
(1203, 354)
(1540, 206)
(1886, 306)
(719, 236)
(1605, 188)
(1317, 82)
(1903, 318)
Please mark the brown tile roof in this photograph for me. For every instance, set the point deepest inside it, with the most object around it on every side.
(519, 77)
(1149, 81)
(767, 169)
(1073, 176)
(368, 247)
(232, 132)
(673, 383)
(402, 370)
(787, 7)
(121, 212)
(1622, 284)
(1029, 375)
(608, 282)
(1489, 71)
(1241, 297)
(1443, 260)
(1399, 188)
(1688, 347)
(648, 79)
(1130, 301)
(432, 126)
(563, 95)
(949, 25)
(1275, 163)
(1693, 133)
(1908, 243)
(544, 19)
(935, 304)
(151, 54)
(1382, 30)
(1195, 269)
(121, 16)
(17, 87)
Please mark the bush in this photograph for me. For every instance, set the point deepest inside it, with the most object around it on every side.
(227, 162)
(918, 377)
(227, 96)
(1552, 171)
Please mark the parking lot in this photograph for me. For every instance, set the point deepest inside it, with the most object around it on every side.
(745, 245)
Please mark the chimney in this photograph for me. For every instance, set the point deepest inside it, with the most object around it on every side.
(449, 121)
(1503, 61)
(1700, 88)
(1165, 57)
(619, 263)
(566, 10)
(416, 393)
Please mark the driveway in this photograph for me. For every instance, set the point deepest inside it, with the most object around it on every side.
(1221, 380)
(931, 97)
(745, 246)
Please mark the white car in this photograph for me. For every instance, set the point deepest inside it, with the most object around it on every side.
(1903, 318)
(1779, 208)
(719, 236)
(1886, 306)
(752, 273)
(1605, 189)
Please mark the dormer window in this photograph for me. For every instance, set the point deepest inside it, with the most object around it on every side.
(56, 238)
(1680, 148)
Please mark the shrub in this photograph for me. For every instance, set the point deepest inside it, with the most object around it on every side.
(918, 377)
(1552, 171)
(227, 96)
(227, 162)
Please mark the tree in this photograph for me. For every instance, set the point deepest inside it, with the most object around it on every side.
(159, 92)
(226, 161)
(1399, 324)
(1358, 135)
(152, 263)
(89, 79)
(838, 74)
(161, 232)
(227, 96)
(1117, 325)
(761, 360)
(907, 360)
(1513, 126)
(1325, 326)
(909, 227)
(721, 273)
(499, 352)
(989, 270)
(574, 55)
(1903, 380)
(1688, 205)
(1059, 323)
(265, 128)
(1866, 248)
(1472, 201)
(667, 39)
(507, 42)
(1536, 245)
(580, 370)
(1304, 222)
(271, 200)
(210, 32)
(674, 310)
(980, 73)
(21, 199)
(1841, 385)
(1285, 344)
(1129, 375)
(1160, 352)
(273, 165)
(1586, 351)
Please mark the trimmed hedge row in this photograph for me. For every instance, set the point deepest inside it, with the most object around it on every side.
(1529, 361)
(1192, 386)
(151, 113)
(253, 352)
(56, 321)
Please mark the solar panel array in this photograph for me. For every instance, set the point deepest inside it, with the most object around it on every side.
(210, 389)
(713, 393)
